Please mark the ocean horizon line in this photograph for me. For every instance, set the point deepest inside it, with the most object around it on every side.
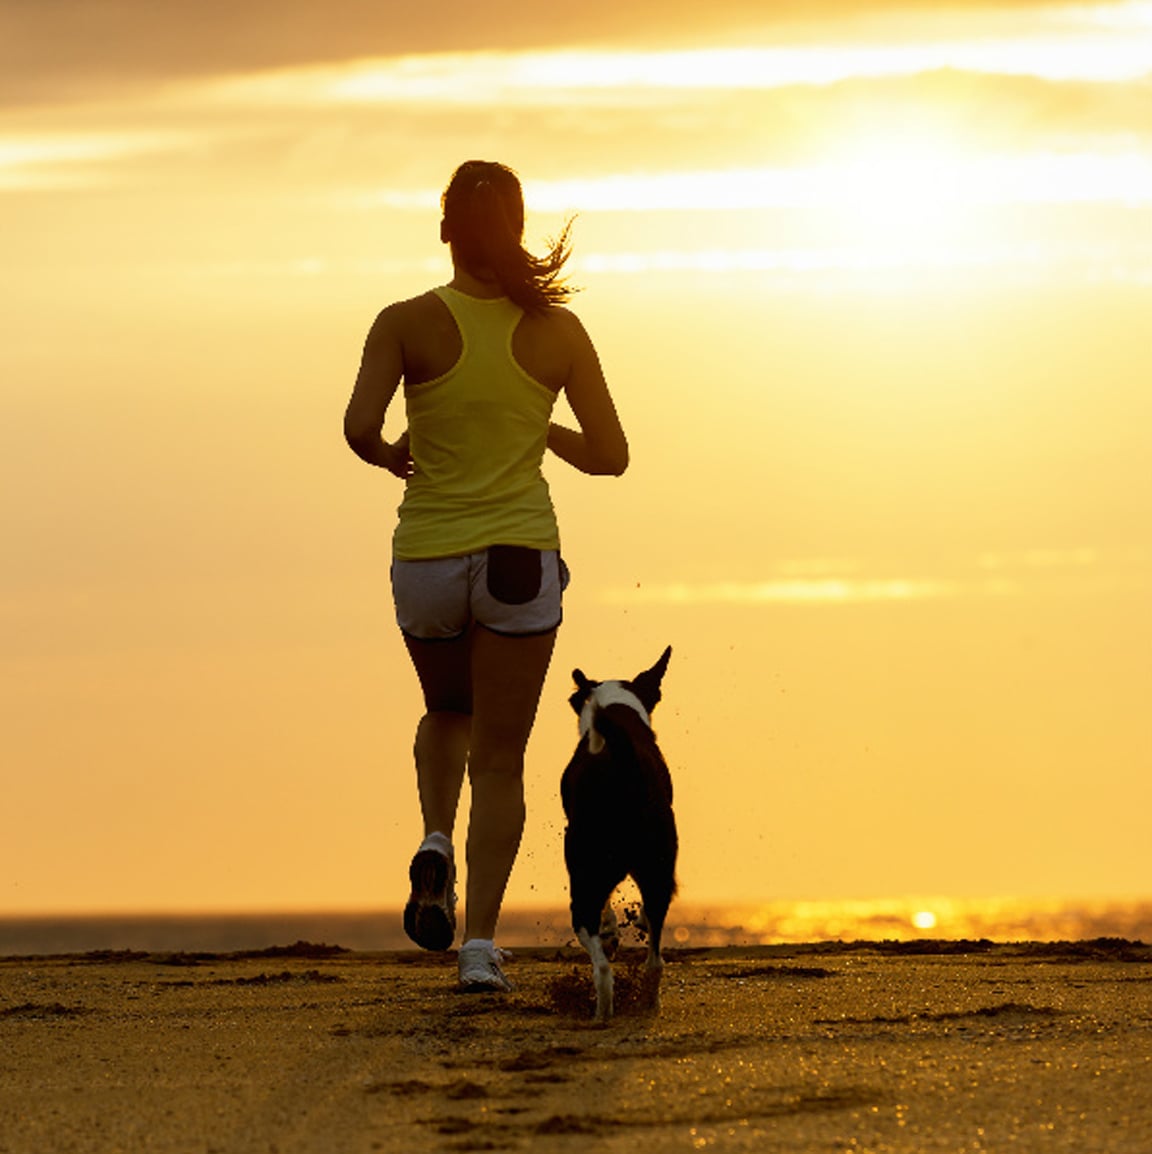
(689, 925)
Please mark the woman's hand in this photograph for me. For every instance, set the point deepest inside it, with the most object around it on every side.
(397, 458)
(600, 445)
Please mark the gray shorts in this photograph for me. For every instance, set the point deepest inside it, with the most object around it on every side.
(506, 588)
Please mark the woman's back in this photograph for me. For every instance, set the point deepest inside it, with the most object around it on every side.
(478, 431)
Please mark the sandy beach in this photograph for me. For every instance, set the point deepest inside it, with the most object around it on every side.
(868, 1047)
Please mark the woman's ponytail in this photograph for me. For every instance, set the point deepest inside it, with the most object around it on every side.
(484, 222)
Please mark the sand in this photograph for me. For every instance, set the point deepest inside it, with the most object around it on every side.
(920, 1047)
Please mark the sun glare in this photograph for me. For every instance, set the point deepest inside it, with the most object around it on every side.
(901, 186)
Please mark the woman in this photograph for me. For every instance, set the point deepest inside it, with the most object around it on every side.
(476, 573)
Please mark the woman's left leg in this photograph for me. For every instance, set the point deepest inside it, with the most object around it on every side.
(441, 751)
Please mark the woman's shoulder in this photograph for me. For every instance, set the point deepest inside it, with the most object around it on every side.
(557, 321)
(412, 316)
(414, 308)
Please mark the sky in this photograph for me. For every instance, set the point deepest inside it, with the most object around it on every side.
(871, 286)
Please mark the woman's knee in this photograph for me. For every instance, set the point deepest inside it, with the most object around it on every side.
(443, 722)
(456, 699)
(498, 763)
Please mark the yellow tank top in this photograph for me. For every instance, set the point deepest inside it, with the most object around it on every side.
(477, 436)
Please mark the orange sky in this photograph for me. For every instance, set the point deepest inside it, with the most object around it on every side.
(872, 290)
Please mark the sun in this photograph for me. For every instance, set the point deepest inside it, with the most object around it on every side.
(902, 187)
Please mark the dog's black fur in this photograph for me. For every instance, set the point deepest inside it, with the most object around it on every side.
(618, 802)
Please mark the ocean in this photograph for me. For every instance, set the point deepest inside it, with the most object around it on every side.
(769, 923)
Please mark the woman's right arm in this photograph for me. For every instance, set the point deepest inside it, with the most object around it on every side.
(381, 369)
(599, 446)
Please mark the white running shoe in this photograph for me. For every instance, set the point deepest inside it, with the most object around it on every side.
(480, 970)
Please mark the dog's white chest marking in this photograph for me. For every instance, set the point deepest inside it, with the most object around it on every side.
(607, 693)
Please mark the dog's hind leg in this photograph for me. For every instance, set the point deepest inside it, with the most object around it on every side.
(657, 899)
(601, 974)
(590, 895)
(653, 973)
(609, 930)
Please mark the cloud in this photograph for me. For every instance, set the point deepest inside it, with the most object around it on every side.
(995, 574)
(30, 161)
(73, 50)
(794, 591)
(54, 50)
(891, 181)
(625, 76)
(779, 101)
(1016, 559)
(815, 261)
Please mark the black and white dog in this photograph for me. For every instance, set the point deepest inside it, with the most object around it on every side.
(617, 795)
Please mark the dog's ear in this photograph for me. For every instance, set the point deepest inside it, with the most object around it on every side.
(647, 684)
(584, 686)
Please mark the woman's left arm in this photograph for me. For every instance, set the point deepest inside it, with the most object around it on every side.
(381, 368)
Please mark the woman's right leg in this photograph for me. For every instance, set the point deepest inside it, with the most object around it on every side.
(507, 676)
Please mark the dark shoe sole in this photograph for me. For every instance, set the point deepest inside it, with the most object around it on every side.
(428, 918)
